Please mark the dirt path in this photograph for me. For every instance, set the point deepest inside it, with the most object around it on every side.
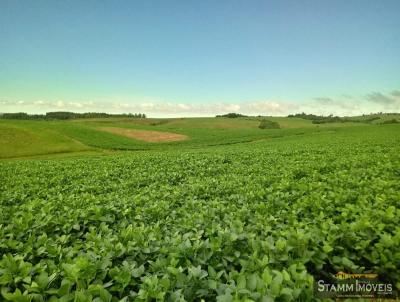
(146, 135)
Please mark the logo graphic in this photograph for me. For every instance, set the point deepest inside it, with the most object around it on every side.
(349, 285)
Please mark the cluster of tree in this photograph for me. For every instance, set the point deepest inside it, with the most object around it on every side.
(312, 117)
(330, 119)
(381, 113)
(318, 119)
(321, 119)
(392, 121)
(231, 115)
(65, 115)
(267, 124)
(367, 120)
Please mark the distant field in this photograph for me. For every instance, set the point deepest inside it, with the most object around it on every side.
(32, 138)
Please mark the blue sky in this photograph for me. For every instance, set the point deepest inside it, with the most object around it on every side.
(196, 58)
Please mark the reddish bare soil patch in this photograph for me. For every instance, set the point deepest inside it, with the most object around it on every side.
(146, 135)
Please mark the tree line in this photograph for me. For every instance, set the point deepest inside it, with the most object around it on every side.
(65, 115)
(320, 119)
(231, 115)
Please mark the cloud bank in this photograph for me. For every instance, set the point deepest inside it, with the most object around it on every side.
(156, 108)
(325, 105)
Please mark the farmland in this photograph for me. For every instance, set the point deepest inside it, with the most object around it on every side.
(25, 138)
(230, 213)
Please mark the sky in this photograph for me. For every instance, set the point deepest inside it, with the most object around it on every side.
(200, 58)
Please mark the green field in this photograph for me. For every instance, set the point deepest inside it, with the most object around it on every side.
(233, 213)
(19, 138)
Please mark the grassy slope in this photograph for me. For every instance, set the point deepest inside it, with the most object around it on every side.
(24, 138)
(33, 138)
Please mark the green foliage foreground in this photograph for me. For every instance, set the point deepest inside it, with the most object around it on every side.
(251, 222)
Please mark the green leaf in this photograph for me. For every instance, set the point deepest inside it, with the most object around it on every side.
(241, 282)
(225, 298)
(252, 282)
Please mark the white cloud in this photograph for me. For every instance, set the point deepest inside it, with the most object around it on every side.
(269, 107)
(354, 105)
(378, 97)
(60, 104)
(342, 105)
(76, 105)
(155, 108)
